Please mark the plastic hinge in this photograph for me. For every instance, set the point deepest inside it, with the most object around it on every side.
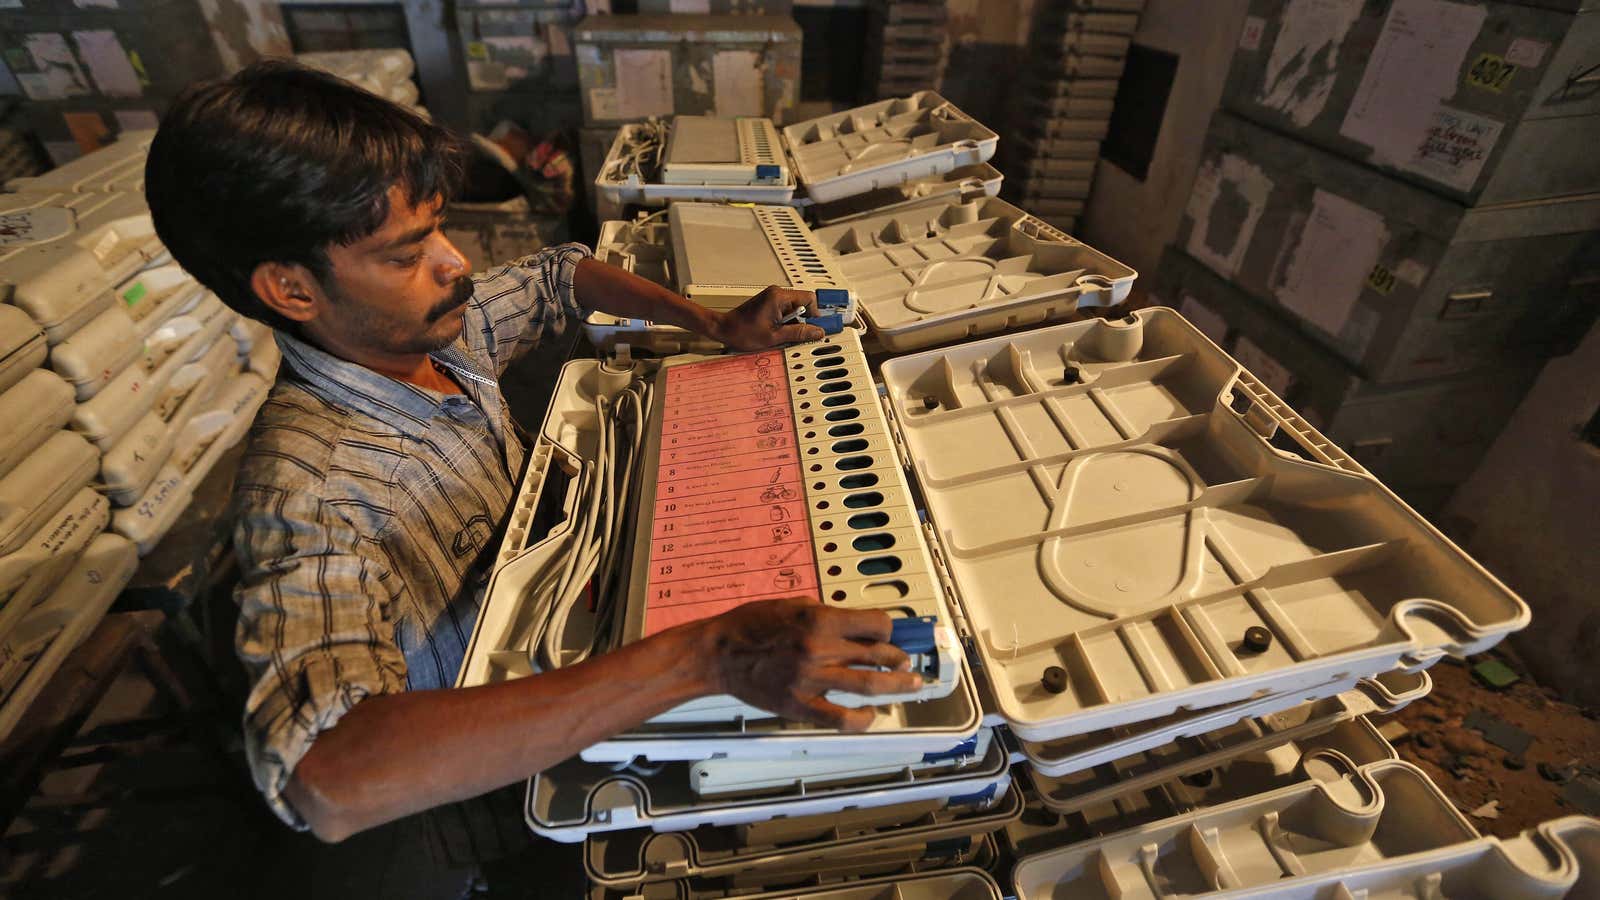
(914, 635)
(975, 799)
(768, 171)
(967, 747)
(957, 612)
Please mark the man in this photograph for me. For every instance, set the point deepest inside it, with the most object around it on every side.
(382, 466)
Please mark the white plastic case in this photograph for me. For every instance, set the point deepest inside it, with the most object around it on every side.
(29, 574)
(880, 145)
(878, 876)
(118, 167)
(625, 858)
(56, 626)
(33, 409)
(78, 248)
(22, 345)
(963, 184)
(1382, 829)
(132, 464)
(94, 354)
(41, 484)
(1175, 537)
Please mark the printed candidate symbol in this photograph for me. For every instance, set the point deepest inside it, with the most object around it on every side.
(780, 533)
(769, 427)
(778, 557)
(786, 580)
(767, 412)
(778, 514)
(766, 391)
(776, 474)
(777, 492)
(768, 443)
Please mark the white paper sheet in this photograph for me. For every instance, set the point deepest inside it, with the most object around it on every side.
(1526, 52)
(737, 80)
(1414, 67)
(58, 75)
(1232, 181)
(644, 83)
(1201, 317)
(1338, 247)
(1455, 148)
(1263, 366)
(108, 63)
(1304, 62)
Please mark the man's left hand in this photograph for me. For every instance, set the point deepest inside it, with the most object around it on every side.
(755, 324)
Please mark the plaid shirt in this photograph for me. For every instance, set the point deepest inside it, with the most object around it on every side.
(368, 510)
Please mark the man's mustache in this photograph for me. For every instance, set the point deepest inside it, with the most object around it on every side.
(459, 295)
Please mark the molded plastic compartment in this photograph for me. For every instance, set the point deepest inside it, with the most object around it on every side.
(41, 484)
(940, 272)
(963, 184)
(1161, 506)
(954, 871)
(574, 799)
(1344, 832)
(789, 844)
(78, 248)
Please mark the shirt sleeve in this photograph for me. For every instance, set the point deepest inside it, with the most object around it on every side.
(312, 631)
(521, 302)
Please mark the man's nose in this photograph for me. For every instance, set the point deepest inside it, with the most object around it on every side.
(452, 262)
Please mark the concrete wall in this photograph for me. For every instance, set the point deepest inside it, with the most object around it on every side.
(986, 40)
(1133, 220)
(1531, 514)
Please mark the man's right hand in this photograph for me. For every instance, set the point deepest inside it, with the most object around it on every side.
(784, 655)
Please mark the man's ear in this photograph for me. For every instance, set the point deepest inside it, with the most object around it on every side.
(287, 289)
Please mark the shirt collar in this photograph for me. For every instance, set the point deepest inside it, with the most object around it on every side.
(358, 387)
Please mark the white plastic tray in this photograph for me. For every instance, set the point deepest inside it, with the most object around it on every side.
(29, 574)
(22, 345)
(41, 484)
(944, 271)
(118, 167)
(71, 612)
(1374, 830)
(624, 858)
(875, 147)
(33, 409)
(1160, 504)
(1184, 731)
(78, 248)
(575, 799)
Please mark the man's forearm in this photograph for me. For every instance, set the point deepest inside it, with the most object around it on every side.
(611, 290)
(399, 754)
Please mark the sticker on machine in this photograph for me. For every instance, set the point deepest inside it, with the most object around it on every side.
(1338, 247)
(1304, 62)
(1413, 68)
(1250, 35)
(644, 83)
(1455, 148)
(1228, 199)
(32, 226)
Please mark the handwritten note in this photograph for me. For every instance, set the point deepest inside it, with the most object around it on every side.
(729, 518)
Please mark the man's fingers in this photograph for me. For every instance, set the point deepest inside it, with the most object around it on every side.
(800, 333)
(867, 682)
(861, 624)
(831, 715)
(887, 656)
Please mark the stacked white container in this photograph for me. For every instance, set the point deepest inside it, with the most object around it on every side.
(126, 379)
(386, 72)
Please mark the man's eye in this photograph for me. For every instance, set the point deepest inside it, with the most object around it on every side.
(408, 261)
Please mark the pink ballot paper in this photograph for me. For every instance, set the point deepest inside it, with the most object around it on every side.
(729, 522)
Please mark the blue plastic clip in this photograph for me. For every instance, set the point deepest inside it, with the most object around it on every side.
(965, 748)
(977, 799)
(829, 324)
(914, 635)
(768, 171)
(833, 298)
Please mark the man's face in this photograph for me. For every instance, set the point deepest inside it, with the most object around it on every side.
(400, 290)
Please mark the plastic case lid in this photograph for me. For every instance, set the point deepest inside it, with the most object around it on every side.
(942, 271)
(78, 248)
(1346, 831)
(965, 184)
(70, 613)
(118, 167)
(132, 464)
(1175, 536)
(30, 573)
(41, 484)
(34, 408)
(22, 345)
(91, 356)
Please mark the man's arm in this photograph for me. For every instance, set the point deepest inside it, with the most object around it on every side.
(398, 754)
(754, 325)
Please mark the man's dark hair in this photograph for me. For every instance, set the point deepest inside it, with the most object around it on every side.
(277, 164)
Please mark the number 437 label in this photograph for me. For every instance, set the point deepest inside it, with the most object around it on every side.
(1491, 72)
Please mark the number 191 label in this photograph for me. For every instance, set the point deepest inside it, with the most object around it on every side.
(1381, 279)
